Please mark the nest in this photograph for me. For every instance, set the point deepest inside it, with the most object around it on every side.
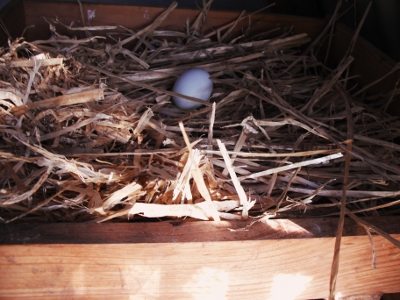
(88, 131)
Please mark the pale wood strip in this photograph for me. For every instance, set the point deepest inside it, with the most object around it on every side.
(267, 269)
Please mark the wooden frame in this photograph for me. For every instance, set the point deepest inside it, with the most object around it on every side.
(194, 260)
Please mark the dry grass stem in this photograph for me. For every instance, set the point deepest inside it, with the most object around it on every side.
(88, 130)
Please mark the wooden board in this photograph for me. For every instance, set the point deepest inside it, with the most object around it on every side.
(183, 231)
(137, 17)
(276, 259)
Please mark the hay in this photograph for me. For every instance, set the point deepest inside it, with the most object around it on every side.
(88, 131)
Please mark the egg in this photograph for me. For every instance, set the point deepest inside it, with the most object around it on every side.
(194, 83)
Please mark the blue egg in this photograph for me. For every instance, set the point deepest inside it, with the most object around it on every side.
(194, 83)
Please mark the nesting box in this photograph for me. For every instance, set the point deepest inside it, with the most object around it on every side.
(288, 258)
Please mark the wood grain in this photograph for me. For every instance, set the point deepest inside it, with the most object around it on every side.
(266, 269)
(193, 260)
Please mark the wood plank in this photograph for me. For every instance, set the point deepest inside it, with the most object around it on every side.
(195, 260)
(137, 17)
(264, 269)
(180, 232)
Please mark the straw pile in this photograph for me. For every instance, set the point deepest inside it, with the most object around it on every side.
(88, 131)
